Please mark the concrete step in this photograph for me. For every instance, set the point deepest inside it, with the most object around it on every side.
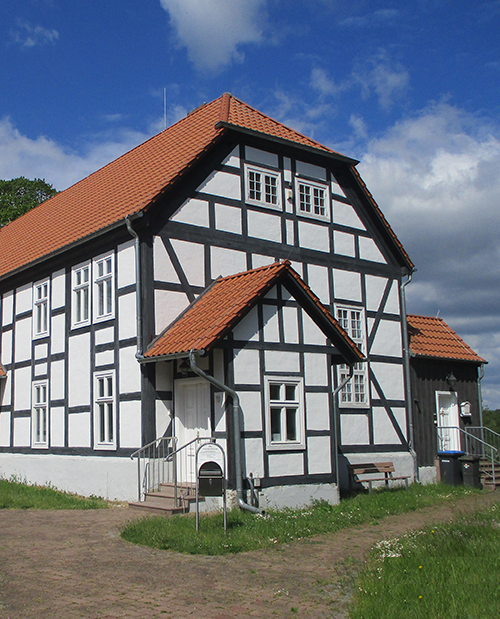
(150, 509)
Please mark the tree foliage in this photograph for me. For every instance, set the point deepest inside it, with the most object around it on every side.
(20, 195)
(491, 419)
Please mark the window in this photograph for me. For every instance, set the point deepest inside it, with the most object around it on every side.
(355, 392)
(81, 295)
(263, 187)
(41, 308)
(312, 199)
(104, 411)
(285, 413)
(39, 414)
(103, 288)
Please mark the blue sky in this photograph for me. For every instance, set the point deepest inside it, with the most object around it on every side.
(411, 89)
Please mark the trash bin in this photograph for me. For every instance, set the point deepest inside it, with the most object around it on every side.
(470, 471)
(211, 480)
(451, 467)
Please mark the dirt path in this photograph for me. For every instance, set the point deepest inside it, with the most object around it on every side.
(68, 564)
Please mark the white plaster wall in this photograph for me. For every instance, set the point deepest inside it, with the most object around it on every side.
(4, 429)
(248, 328)
(290, 232)
(261, 156)
(290, 325)
(258, 260)
(312, 334)
(278, 497)
(375, 287)
(163, 412)
(193, 212)
(314, 237)
(227, 261)
(192, 259)
(57, 339)
(41, 351)
(281, 464)
(228, 218)
(164, 378)
(251, 410)
(390, 378)
(57, 380)
(6, 349)
(354, 429)
(22, 389)
(319, 456)
(222, 184)
(281, 361)
(344, 214)
(271, 330)
(387, 340)
(130, 372)
(6, 390)
(127, 312)
(287, 169)
(368, 250)
(233, 159)
(104, 336)
(58, 289)
(22, 431)
(7, 308)
(56, 426)
(130, 424)
(317, 278)
(317, 411)
(162, 265)
(40, 369)
(347, 285)
(219, 411)
(316, 369)
(109, 477)
(126, 264)
(106, 357)
(168, 305)
(23, 339)
(79, 370)
(343, 243)
(24, 299)
(79, 429)
(307, 169)
(392, 305)
(254, 457)
(264, 226)
(246, 367)
(383, 430)
(400, 415)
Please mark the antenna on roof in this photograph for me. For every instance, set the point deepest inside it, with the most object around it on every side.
(164, 107)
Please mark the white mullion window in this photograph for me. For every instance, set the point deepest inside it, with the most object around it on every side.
(263, 187)
(103, 288)
(104, 411)
(285, 413)
(355, 392)
(81, 295)
(41, 291)
(313, 200)
(39, 414)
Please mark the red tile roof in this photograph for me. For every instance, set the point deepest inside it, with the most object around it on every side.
(132, 182)
(2, 372)
(224, 303)
(432, 337)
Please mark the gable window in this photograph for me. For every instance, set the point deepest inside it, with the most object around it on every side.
(41, 308)
(104, 411)
(355, 392)
(39, 414)
(263, 187)
(285, 413)
(312, 199)
(81, 295)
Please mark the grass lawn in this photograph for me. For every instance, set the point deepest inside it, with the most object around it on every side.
(15, 494)
(247, 531)
(450, 571)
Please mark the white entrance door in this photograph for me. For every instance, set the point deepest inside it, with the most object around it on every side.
(192, 420)
(448, 421)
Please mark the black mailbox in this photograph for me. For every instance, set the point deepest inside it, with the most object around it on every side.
(211, 480)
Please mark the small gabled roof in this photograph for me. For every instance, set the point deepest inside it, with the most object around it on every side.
(2, 372)
(228, 299)
(432, 337)
(137, 180)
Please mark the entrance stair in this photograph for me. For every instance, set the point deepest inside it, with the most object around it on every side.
(490, 474)
(162, 501)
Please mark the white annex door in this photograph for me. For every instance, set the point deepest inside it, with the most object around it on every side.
(448, 421)
(192, 420)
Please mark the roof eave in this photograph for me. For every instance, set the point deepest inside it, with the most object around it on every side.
(454, 359)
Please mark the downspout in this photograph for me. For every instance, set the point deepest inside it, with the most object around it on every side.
(138, 285)
(406, 364)
(236, 432)
(480, 398)
(335, 392)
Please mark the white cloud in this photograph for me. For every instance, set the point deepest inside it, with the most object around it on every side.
(386, 79)
(436, 178)
(212, 31)
(28, 36)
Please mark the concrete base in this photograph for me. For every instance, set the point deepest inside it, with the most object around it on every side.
(402, 460)
(301, 495)
(427, 474)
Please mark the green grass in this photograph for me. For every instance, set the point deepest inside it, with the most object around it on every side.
(19, 495)
(450, 571)
(246, 531)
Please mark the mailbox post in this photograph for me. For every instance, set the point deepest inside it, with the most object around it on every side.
(210, 476)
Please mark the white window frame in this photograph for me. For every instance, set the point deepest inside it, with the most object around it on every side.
(283, 443)
(105, 410)
(40, 414)
(356, 393)
(313, 187)
(103, 281)
(81, 295)
(264, 198)
(41, 308)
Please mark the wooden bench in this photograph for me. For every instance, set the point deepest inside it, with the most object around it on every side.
(365, 471)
